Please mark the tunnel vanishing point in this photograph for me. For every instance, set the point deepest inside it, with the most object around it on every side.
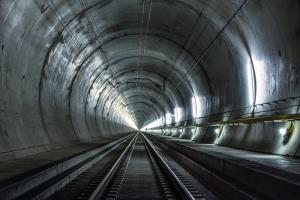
(208, 89)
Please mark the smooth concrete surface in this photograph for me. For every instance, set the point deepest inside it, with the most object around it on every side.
(280, 162)
(72, 71)
(284, 163)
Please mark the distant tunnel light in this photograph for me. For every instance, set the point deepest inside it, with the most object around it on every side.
(154, 124)
(282, 131)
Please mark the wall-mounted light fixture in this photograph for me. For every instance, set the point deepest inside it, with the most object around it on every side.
(282, 131)
(217, 130)
(287, 132)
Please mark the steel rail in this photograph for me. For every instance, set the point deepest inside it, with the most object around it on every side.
(175, 180)
(111, 172)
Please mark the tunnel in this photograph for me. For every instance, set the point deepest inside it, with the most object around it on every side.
(219, 74)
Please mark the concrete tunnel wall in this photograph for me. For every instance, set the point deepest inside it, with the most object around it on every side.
(76, 71)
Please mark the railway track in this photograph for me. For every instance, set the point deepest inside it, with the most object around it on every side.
(136, 170)
(145, 166)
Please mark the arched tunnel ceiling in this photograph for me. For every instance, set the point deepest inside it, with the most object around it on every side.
(95, 68)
